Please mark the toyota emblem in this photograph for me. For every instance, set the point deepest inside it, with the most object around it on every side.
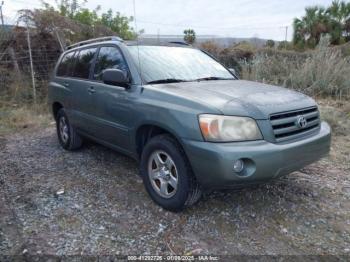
(301, 122)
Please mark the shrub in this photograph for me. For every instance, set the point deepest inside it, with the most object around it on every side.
(211, 47)
(325, 73)
(272, 66)
(338, 119)
(231, 56)
(17, 117)
(321, 72)
(270, 43)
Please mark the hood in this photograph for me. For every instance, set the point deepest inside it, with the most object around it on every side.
(240, 97)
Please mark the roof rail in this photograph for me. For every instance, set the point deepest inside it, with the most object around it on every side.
(96, 40)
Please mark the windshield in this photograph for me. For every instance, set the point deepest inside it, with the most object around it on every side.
(175, 64)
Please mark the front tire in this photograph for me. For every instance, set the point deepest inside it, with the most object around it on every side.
(167, 174)
(67, 136)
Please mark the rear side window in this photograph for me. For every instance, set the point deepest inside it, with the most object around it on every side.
(109, 58)
(84, 61)
(66, 66)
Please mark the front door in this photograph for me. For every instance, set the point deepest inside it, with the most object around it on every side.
(112, 107)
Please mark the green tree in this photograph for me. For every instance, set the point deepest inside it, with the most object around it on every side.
(75, 10)
(339, 14)
(339, 11)
(119, 24)
(308, 29)
(69, 8)
(347, 30)
(87, 17)
(270, 43)
(285, 45)
(334, 20)
(189, 36)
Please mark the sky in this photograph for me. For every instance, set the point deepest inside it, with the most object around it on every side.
(266, 19)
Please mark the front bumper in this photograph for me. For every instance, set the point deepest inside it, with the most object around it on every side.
(212, 163)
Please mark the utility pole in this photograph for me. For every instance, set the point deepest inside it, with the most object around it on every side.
(2, 17)
(31, 63)
(158, 35)
(285, 39)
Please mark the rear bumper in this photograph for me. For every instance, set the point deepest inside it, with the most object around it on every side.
(212, 163)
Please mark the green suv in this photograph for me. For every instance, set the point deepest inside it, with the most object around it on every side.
(187, 119)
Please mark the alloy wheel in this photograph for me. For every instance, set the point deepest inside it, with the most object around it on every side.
(163, 174)
(63, 128)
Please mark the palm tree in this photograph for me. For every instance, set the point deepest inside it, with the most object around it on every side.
(339, 14)
(339, 11)
(310, 27)
(298, 35)
(347, 30)
(335, 20)
(189, 36)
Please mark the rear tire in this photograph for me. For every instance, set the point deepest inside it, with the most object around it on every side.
(67, 136)
(173, 170)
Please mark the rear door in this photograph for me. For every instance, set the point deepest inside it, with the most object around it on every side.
(82, 87)
(112, 104)
(63, 91)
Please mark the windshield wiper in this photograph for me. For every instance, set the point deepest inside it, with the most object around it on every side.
(213, 78)
(167, 80)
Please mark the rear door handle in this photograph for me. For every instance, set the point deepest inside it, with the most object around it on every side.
(91, 90)
(66, 84)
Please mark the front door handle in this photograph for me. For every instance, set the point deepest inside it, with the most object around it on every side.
(91, 90)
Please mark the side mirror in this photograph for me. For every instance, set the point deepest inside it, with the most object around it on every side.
(115, 77)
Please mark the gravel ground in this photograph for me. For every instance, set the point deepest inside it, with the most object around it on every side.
(93, 202)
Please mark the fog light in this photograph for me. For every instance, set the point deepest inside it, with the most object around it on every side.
(238, 166)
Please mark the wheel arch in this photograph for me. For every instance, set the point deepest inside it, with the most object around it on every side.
(56, 106)
(148, 130)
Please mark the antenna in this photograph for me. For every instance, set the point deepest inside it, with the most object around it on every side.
(2, 17)
(137, 41)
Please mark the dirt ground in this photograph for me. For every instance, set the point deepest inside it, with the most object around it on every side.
(92, 202)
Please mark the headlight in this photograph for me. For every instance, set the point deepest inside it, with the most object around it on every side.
(218, 128)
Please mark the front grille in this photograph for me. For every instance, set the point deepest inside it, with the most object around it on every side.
(289, 125)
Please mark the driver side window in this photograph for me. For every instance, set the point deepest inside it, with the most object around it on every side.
(109, 58)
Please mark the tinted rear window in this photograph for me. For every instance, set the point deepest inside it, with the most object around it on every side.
(84, 61)
(67, 64)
